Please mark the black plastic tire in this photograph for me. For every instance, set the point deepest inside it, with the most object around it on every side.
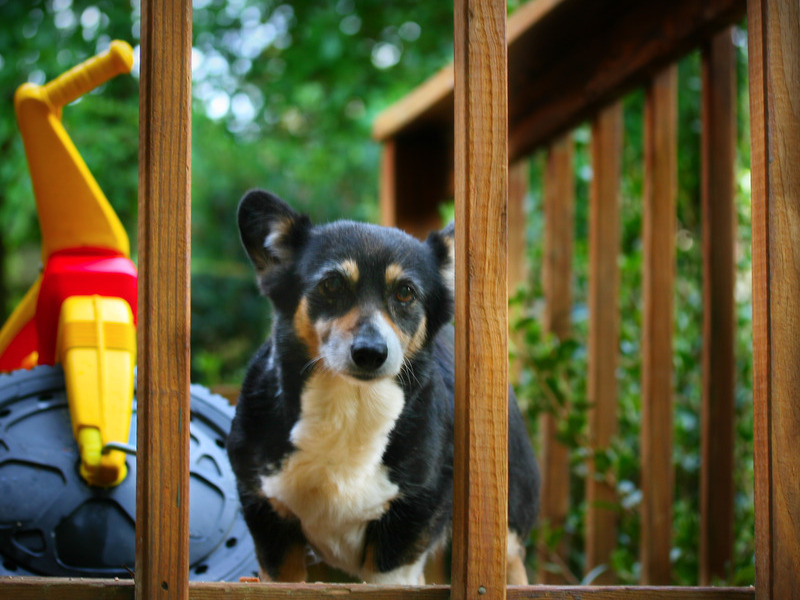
(52, 523)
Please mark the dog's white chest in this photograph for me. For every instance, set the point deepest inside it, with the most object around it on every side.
(334, 482)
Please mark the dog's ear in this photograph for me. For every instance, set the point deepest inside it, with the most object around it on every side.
(443, 245)
(271, 232)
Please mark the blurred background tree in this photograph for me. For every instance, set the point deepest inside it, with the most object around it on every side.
(284, 97)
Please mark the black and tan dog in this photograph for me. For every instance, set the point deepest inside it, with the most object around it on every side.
(343, 438)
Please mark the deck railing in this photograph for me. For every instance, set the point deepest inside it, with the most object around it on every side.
(610, 46)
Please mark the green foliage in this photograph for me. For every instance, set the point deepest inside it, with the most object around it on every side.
(284, 98)
(553, 371)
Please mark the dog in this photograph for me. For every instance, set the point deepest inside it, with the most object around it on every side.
(342, 442)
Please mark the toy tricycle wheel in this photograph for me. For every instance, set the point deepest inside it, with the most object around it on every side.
(53, 523)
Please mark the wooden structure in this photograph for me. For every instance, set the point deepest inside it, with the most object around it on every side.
(554, 81)
(570, 61)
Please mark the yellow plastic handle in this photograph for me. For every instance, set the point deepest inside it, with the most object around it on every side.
(89, 74)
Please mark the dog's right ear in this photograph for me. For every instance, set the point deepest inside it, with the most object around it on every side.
(271, 232)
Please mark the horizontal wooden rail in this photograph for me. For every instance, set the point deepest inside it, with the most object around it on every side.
(566, 60)
(38, 588)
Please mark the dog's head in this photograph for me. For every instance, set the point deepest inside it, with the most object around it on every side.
(362, 299)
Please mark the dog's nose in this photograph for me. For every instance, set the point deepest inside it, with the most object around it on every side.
(369, 353)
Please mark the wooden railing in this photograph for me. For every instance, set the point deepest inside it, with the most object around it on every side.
(570, 62)
(612, 45)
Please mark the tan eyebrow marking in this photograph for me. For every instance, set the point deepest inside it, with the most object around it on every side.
(350, 268)
(393, 273)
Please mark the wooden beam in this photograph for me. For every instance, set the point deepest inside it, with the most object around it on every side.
(518, 176)
(660, 194)
(518, 181)
(480, 509)
(162, 496)
(604, 247)
(773, 34)
(719, 367)
(559, 210)
(416, 178)
(569, 58)
(53, 588)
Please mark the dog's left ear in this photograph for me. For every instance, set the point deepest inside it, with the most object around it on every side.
(271, 232)
(442, 243)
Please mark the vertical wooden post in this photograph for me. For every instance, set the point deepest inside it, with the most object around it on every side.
(388, 184)
(416, 176)
(518, 175)
(604, 244)
(518, 179)
(660, 191)
(559, 209)
(774, 47)
(719, 223)
(480, 512)
(162, 498)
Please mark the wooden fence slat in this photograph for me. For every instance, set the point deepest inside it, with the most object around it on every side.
(162, 498)
(518, 181)
(559, 210)
(660, 191)
(604, 247)
(53, 588)
(518, 175)
(388, 184)
(774, 48)
(719, 223)
(416, 176)
(480, 511)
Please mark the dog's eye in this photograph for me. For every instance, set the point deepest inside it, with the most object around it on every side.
(404, 293)
(332, 284)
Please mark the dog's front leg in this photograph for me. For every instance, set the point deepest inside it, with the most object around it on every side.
(281, 547)
(292, 569)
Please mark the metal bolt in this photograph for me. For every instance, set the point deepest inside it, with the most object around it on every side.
(481, 590)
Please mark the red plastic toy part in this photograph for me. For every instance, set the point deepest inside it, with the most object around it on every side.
(79, 272)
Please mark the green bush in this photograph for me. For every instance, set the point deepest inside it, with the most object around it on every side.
(553, 371)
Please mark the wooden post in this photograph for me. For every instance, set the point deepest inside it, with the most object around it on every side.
(774, 36)
(416, 176)
(518, 174)
(604, 245)
(162, 498)
(518, 179)
(660, 191)
(719, 224)
(559, 209)
(480, 511)
(388, 184)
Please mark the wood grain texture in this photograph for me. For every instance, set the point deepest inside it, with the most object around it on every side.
(719, 223)
(774, 48)
(57, 588)
(162, 498)
(480, 512)
(559, 212)
(604, 248)
(659, 223)
(215, 591)
(38, 588)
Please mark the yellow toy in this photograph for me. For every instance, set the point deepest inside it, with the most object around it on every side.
(81, 311)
